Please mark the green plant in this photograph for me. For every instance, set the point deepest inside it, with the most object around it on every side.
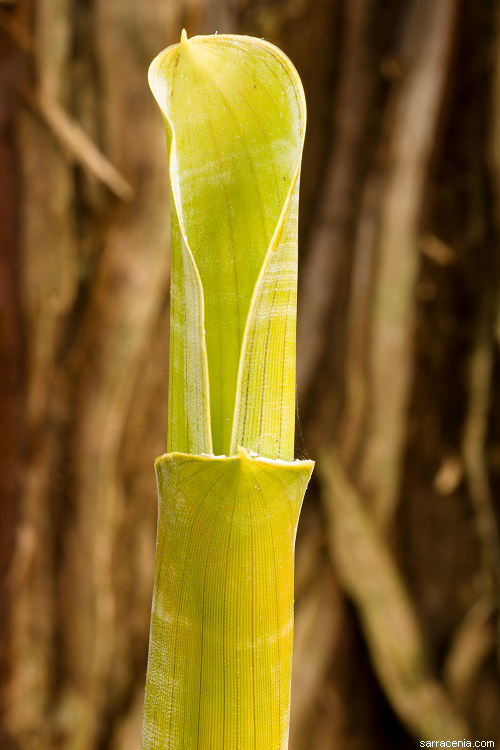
(222, 620)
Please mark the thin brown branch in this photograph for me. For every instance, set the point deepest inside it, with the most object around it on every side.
(415, 111)
(474, 452)
(471, 644)
(79, 145)
(320, 275)
(370, 577)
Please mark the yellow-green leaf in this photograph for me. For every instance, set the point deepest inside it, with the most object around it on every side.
(221, 629)
(234, 110)
(221, 626)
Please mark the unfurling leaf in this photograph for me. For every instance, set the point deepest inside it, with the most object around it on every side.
(221, 627)
(234, 112)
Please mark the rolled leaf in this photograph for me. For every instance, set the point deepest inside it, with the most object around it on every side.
(234, 112)
(222, 619)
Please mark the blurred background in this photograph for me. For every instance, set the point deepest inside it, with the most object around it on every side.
(398, 560)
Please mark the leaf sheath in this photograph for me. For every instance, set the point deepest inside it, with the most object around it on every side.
(222, 624)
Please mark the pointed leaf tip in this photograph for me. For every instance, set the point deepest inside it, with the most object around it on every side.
(235, 115)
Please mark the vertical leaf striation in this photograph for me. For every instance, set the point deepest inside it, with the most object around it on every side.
(222, 620)
(222, 623)
(235, 117)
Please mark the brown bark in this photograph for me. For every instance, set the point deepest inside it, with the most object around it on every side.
(398, 560)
